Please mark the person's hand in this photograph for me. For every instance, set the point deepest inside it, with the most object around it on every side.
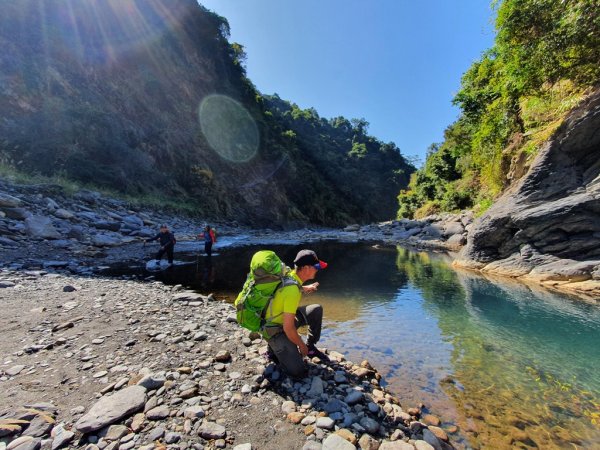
(303, 349)
(310, 288)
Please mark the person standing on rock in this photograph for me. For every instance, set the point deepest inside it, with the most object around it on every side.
(209, 239)
(285, 317)
(167, 244)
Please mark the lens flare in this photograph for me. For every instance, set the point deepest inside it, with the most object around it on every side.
(228, 128)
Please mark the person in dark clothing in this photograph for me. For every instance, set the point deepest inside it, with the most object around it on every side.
(209, 239)
(167, 243)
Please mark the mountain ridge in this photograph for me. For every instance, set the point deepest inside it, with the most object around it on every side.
(108, 94)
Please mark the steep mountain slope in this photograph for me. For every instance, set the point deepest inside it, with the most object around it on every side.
(122, 95)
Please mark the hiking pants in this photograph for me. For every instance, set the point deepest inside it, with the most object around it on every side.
(168, 251)
(208, 248)
(290, 358)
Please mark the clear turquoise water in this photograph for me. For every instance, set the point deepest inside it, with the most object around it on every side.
(511, 366)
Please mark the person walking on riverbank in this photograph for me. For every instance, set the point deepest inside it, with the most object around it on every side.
(209, 239)
(167, 241)
(284, 317)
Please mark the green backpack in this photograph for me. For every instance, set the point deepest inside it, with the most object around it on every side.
(267, 274)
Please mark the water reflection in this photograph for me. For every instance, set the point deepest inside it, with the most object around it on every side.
(511, 365)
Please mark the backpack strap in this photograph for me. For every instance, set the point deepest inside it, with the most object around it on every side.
(285, 281)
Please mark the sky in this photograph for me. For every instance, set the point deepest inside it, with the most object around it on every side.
(395, 63)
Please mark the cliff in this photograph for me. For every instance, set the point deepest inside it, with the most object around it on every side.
(546, 228)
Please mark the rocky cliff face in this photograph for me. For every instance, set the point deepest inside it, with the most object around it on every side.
(547, 227)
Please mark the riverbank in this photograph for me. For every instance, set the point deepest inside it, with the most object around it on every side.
(41, 226)
(89, 362)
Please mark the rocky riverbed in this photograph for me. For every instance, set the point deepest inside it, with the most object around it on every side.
(100, 363)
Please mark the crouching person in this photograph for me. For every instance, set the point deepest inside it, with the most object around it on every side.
(284, 317)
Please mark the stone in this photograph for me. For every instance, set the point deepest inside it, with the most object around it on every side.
(370, 425)
(158, 413)
(17, 213)
(422, 445)
(334, 405)
(172, 438)
(336, 442)
(367, 442)
(325, 422)
(354, 397)
(396, 445)
(61, 437)
(288, 407)
(25, 443)
(295, 417)
(348, 435)
(40, 227)
(152, 382)
(246, 446)
(8, 201)
(14, 370)
(112, 408)
(316, 387)
(431, 439)
(156, 434)
(115, 432)
(211, 430)
(64, 214)
(39, 426)
(193, 412)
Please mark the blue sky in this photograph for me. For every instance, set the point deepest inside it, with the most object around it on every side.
(397, 63)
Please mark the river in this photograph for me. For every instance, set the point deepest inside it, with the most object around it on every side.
(511, 366)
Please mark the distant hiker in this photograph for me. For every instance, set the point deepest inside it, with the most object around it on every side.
(284, 317)
(167, 243)
(209, 239)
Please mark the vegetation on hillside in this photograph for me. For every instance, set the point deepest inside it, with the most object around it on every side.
(108, 94)
(545, 58)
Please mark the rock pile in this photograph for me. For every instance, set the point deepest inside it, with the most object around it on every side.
(122, 364)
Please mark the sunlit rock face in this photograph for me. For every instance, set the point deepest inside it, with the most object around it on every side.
(149, 97)
(548, 226)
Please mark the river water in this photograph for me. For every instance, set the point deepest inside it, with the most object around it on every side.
(511, 366)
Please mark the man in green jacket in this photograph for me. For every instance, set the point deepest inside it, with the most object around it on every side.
(285, 316)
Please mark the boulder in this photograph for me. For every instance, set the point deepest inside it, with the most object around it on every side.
(552, 211)
(112, 408)
(40, 227)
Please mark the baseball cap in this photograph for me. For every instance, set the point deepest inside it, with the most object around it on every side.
(309, 258)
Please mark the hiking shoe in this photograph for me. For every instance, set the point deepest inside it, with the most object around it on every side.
(314, 352)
